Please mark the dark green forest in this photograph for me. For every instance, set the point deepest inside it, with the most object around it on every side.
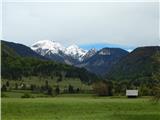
(138, 70)
(143, 62)
(15, 67)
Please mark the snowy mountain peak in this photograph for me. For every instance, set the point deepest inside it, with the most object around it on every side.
(93, 50)
(49, 48)
(75, 51)
(45, 46)
(73, 46)
(90, 53)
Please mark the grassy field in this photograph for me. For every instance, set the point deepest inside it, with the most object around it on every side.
(79, 107)
(52, 82)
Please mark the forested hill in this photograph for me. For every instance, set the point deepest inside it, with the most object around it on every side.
(141, 64)
(22, 50)
(16, 64)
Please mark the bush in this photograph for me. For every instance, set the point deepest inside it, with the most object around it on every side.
(16, 86)
(70, 89)
(26, 95)
(7, 83)
(33, 87)
(101, 88)
(4, 88)
(156, 94)
(57, 90)
(50, 91)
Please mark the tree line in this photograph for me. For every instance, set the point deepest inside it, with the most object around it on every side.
(14, 67)
(46, 88)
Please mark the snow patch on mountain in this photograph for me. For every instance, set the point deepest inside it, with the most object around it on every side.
(75, 52)
(90, 53)
(47, 46)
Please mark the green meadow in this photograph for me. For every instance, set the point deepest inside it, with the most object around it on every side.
(76, 82)
(79, 107)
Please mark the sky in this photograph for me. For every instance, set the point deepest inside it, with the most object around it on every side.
(0, 19)
(125, 24)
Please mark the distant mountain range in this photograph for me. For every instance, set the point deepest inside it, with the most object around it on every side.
(103, 60)
(56, 51)
(113, 63)
(19, 60)
(98, 62)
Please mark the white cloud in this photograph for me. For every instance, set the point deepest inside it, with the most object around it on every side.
(81, 0)
(125, 23)
(1, 19)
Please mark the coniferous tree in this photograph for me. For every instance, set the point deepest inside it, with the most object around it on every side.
(16, 86)
(4, 88)
(7, 84)
(57, 90)
(70, 89)
(50, 91)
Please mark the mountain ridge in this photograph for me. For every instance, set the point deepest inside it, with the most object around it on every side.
(102, 60)
(96, 61)
(14, 65)
(22, 50)
(140, 63)
(106, 61)
(48, 47)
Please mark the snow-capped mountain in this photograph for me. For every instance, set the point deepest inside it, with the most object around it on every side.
(90, 53)
(101, 61)
(44, 47)
(98, 62)
(52, 49)
(75, 52)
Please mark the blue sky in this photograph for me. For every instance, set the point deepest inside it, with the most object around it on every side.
(87, 24)
(103, 45)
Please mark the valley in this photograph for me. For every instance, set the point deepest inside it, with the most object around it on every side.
(80, 60)
(115, 67)
(39, 83)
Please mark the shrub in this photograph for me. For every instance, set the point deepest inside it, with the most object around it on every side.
(101, 88)
(7, 83)
(77, 90)
(23, 86)
(4, 88)
(16, 86)
(32, 87)
(50, 91)
(70, 89)
(156, 94)
(57, 90)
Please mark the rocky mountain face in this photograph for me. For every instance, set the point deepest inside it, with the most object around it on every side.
(102, 61)
(115, 63)
(55, 51)
(89, 54)
(75, 52)
(98, 62)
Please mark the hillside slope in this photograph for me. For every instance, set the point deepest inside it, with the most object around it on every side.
(102, 61)
(98, 62)
(140, 63)
(15, 65)
(21, 50)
